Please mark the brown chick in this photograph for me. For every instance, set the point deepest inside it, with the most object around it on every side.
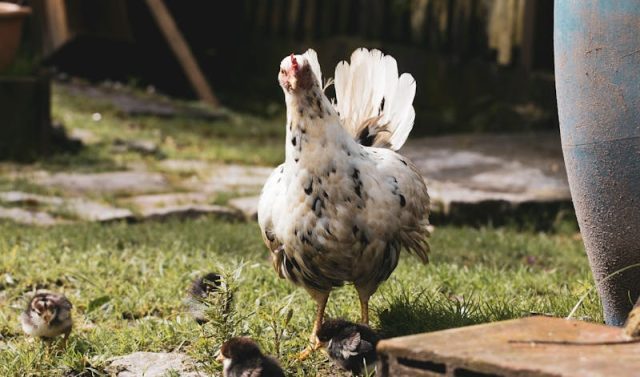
(47, 316)
(632, 327)
(242, 357)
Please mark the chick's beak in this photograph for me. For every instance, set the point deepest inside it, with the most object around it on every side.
(47, 316)
(219, 357)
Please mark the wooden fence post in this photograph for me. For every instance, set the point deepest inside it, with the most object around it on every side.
(183, 52)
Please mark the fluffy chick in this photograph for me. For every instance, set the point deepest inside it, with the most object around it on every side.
(242, 357)
(198, 294)
(632, 326)
(348, 344)
(47, 316)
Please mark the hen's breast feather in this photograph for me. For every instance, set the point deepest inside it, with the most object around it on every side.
(368, 190)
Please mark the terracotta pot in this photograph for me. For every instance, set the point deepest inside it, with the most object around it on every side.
(11, 17)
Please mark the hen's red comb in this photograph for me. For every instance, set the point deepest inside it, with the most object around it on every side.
(294, 62)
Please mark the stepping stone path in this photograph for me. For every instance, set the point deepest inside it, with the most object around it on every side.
(193, 211)
(216, 178)
(81, 208)
(498, 173)
(22, 216)
(117, 183)
(131, 103)
(153, 364)
(467, 175)
(247, 205)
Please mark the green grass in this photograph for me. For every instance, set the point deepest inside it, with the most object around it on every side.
(238, 138)
(127, 283)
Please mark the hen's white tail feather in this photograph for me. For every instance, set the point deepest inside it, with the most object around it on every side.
(369, 87)
(370, 97)
(312, 59)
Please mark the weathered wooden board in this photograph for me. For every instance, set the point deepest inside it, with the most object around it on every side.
(488, 350)
(25, 120)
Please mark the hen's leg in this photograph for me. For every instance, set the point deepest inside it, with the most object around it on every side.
(364, 311)
(321, 300)
(364, 293)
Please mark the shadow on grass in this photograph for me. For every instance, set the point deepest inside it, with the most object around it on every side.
(407, 314)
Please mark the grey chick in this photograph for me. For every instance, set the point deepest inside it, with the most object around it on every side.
(47, 316)
(199, 293)
(349, 345)
(241, 357)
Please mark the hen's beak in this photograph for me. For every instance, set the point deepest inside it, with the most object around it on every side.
(219, 357)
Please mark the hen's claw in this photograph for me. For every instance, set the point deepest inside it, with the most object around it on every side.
(311, 348)
(302, 356)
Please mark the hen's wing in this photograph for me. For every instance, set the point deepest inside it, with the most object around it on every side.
(266, 207)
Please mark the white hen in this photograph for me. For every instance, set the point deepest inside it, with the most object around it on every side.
(343, 204)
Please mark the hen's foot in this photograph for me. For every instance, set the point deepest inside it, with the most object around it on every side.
(311, 348)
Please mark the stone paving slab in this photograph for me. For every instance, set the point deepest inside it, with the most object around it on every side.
(192, 211)
(186, 166)
(131, 103)
(216, 178)
(120, 182)
(94, 211)
(505, 349)
(469, 176)
(28, 199)
(23, 216)
(248, 205)
(153, 364)
(76, 207)
(145, 203)
(491, 171)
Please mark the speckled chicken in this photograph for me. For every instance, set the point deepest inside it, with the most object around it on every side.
(344, 203)
(47, 316)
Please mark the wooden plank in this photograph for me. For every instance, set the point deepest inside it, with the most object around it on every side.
(262, 15)
(506, 349)
(293, 16)
(327, 17)
(418, 19)
(343, 19)
(52, 14)
(527, 48)
(182, 51)
(310, 19)
(25, 120)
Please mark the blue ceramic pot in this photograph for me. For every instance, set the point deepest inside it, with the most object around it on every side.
(597, 64)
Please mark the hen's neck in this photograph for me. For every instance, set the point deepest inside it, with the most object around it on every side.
(314, 133)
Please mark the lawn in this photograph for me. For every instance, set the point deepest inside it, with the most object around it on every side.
(237, 137)
(128, 281)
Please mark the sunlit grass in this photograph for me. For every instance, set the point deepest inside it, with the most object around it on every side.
(127, 283)
(235, 138)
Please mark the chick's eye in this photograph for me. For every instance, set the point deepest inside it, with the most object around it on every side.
(282, 70)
